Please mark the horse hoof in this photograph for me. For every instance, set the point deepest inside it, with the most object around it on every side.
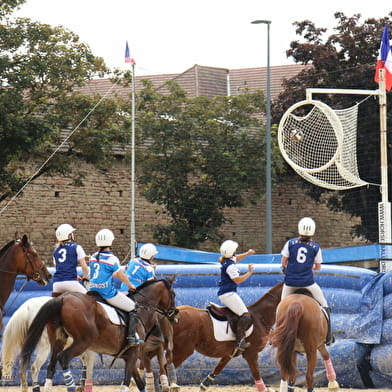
(174, 388)
(333, 386)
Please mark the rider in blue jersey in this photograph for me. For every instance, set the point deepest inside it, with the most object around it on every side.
(227, 293)
(104, 266)
(66, 257)
(300, 257)
(141, 269)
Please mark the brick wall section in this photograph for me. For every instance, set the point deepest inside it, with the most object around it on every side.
(104, 201)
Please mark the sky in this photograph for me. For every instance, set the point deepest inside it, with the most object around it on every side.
(172, 36)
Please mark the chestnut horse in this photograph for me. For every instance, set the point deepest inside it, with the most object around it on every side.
(301, 327)
(19, 257)
(194, 331)
(81, 317)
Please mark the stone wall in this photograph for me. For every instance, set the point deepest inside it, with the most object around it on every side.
(104, 201)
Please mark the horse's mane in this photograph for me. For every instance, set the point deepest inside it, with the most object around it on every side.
(6, 247)
(153, 281)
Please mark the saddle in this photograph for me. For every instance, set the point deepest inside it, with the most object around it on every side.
(122, 314)
(223, 313)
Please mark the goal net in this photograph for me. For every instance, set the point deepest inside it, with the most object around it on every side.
(320, 144)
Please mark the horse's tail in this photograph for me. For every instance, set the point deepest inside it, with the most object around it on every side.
(284, 337)
(50, 311)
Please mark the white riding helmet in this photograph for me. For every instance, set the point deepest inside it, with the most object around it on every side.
(147, 251)
(306, 226)
(63, 232)
(228, 248)
(104, 237)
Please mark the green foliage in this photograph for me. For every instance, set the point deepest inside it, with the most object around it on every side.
(40, 66)
(200, 156)
(344, 60)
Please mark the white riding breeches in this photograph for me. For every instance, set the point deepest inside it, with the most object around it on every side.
(234, 302)
(69, 285)
(314, 289)
(121, 301)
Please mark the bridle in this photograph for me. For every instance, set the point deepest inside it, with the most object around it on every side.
(169, 313)
(36, 274)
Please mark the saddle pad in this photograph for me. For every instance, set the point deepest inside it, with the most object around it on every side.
(223, 331)
(112, 314)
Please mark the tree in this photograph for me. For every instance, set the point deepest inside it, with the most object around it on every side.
(200, 156)
(344, 60)
(40, 67)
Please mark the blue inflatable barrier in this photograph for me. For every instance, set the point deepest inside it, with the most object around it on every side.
(361, 320)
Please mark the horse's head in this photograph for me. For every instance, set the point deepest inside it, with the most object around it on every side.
(30, 263)
(161, 292)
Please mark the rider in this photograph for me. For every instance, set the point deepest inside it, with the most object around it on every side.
(300, 256)
(104, 266)
(141, 269)
(66, 257)
(230, 279)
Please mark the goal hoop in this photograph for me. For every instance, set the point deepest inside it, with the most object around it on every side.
(319, 143)
(322, 136)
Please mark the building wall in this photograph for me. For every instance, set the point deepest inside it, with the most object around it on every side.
(104, 201)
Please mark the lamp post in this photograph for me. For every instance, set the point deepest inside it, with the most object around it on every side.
(268, 186)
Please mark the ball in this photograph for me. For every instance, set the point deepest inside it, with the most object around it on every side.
(296, 135)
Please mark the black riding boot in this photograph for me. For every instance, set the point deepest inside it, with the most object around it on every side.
(132, 341)
(330, 338)
(243, 324)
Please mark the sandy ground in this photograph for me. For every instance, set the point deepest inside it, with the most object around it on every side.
(226, 388)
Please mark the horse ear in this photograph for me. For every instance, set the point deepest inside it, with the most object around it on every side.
(172, 279)
(17, 235)
(25, 241)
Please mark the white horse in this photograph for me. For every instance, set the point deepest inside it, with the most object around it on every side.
(13, 338)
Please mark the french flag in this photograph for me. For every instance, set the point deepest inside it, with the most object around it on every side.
(128, 58)
(384, 60)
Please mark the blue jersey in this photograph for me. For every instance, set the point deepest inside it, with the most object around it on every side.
(226, 284)
(301, 257)
(66, 259)
(138, 271)
(102, 266)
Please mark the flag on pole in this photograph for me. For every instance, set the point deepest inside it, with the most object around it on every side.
(384, 60)
(128, 58)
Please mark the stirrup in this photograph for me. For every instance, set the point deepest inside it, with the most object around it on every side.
(330, 341)
(133, 342)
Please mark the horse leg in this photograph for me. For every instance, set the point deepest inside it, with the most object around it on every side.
(311, 356)
(331, 375)
(251, 358)
(86, 381)
(42, 354)
(211, 377)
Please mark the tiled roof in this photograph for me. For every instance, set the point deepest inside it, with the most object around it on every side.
(202, 80)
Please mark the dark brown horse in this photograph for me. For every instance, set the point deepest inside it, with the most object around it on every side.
(82, 318)
(19, 257)
(194, 331)
(301, 327)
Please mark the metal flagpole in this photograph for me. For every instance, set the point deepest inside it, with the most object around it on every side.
(133, 230)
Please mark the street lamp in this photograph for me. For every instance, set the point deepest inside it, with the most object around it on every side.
(268, 146)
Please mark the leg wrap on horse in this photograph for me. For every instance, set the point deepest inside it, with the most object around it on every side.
(260, 386)
(69, 380)
(150, 386)
(283, 386)
(331, 375)
(330, 338)
(48, 385)
(207, 382)
(88, 386)
(171, 373)
(164, 383)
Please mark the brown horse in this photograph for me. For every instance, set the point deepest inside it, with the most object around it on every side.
(85, 320)
(160, 344)
(301, 327)
(194, 331)
(19, 257)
